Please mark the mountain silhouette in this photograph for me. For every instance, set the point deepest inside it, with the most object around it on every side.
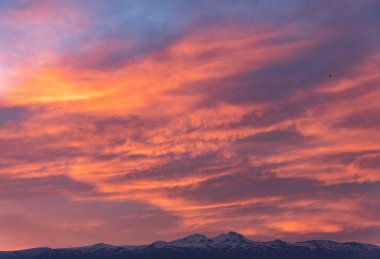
(231, 245)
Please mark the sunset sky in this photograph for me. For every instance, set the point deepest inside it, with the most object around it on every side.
(131, 121)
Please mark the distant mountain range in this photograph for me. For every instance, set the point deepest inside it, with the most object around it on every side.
(225, 246)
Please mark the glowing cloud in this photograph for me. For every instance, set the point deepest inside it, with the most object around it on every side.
(128, 118)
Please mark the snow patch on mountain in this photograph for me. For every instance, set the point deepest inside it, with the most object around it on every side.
(200, 244)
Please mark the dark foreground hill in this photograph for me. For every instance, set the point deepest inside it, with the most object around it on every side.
(225, 246)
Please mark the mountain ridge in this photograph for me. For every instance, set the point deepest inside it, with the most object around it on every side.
(227, 245)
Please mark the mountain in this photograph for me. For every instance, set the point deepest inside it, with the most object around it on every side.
(225, 246)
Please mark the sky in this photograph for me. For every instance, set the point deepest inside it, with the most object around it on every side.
(127, 122)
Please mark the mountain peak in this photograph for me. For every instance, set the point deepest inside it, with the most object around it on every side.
(194, 240)
(95, 247)
(231, 235)
(230, 239)
(195, 237)
(101, 244)
(278, 242)
(234, 234)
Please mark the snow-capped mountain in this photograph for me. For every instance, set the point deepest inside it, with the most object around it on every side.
(229, 245)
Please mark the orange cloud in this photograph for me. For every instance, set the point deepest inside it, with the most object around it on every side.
(233, 125)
